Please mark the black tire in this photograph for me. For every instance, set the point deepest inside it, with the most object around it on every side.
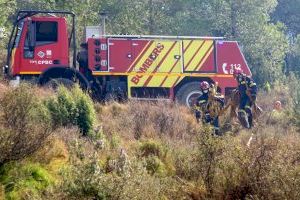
(56, 82)
(188, 93)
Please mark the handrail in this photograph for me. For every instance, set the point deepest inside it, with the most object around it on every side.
(164, 37)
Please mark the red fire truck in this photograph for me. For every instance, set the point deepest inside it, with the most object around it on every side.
(123, 66)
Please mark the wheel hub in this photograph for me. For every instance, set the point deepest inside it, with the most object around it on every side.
(191, 99)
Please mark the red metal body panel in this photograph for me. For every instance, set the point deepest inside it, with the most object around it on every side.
(229, 57)
(209, 65)
(41, 61)
(123, 53)
(97, 54)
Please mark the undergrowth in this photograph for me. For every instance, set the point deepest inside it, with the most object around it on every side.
(142, 150)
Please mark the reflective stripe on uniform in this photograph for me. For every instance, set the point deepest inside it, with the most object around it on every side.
(242, 111)
(248, 107)
(252, 84)
(202, 101)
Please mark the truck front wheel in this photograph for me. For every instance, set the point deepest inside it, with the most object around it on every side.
(56, 82)
(188, 94)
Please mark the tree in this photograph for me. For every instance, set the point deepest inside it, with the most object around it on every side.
(288, 13)
(248, 21)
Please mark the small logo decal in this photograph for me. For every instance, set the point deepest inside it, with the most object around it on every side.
(41, 54)
(224, 68)
(48, 53)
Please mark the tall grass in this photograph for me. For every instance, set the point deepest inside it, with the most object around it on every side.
(148, 150)
(25, 123)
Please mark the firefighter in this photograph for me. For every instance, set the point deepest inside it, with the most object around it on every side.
(277, 113)
(205, 107)
(247, 90)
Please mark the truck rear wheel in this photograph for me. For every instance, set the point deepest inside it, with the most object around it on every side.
(56, 82)
(188, 94)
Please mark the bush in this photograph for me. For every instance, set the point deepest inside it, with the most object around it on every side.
(152, 148)
(295, 91)
(157, 157)
(89, 181)
(72, 108)
(228, 168)
(24, 180)
(155, 166)
(25, 123)
(140, 120)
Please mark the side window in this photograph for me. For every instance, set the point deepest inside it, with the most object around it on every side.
(28, 53)
(46, 32)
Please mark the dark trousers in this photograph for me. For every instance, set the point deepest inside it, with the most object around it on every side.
(214, 121)
(245, 109)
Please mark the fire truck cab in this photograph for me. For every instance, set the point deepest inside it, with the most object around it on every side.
(118, 66)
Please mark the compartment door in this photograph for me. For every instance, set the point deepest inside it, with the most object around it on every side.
(125, 53)
(199, 56)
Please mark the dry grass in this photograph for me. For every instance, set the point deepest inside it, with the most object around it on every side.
(156, 150)
(3, 89)
(138, 120)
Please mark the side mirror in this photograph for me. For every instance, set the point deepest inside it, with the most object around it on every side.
(31, 35)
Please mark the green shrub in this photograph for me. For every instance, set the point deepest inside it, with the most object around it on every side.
(157, 157)
(63, 108)
(72, 108)
(155, 166)
(89, 181)
(151, 148)
(25, 180)
(25, 123)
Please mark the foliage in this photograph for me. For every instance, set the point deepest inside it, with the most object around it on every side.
(295, 94)
(90, 181)
(24, 180)
(25, 123)
(153, 148)
(185, 162)
(72, 108)
(154, 155)
(140, 120)
(288, 13)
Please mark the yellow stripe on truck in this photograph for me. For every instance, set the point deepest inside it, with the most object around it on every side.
(138, 80)
(200, 64)
(198, 55)
(166, 66)
(30, 73)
